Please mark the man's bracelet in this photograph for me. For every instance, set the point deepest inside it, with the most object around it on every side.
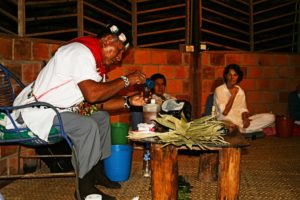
(126, 81)
(126, 102)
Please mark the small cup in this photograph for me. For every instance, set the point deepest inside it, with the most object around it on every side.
(93, 197)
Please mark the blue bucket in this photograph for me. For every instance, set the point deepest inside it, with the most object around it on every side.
(117, 167)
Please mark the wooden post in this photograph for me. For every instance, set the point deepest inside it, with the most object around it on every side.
(298, 36)
(196, 78)
(134, 22)
(164, 172)
(229, 174)
(208, 166)
(80, 24)
(188, 22)
(21, 18)
(251, 25)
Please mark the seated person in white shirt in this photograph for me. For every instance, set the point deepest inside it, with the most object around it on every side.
(159, 94)
(158, 91)
(230, 103)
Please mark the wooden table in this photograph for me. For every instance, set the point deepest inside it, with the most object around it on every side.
(164, 169)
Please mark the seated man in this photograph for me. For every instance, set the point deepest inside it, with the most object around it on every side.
(74, 75)
(230, 103)
(294, 105)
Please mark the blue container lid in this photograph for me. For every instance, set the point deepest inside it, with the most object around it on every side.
(120, 147)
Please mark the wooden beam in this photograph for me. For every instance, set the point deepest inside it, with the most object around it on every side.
(21, 18)
(275, 7)
(51, 32)
(226, 26)
(161, 9)
(97, 9)
(7, 14)
(277, 47)
(134, 22)
(229, 6)
(80, 14)
(298, 35)
(161, 31)
(225, 36)
(48, 2)
(89, 33)
(162, 20)
(118, 6)
(162, 43)
(188, 39)
(141, 1)
(274, 38)
(222, 46)
(251, 26)
(259, 1)
(94, 21)
(196, 78)
(275, 17)
(243, 2)
(226, 16)
(31, 19)
(5, 30)
(14, 2)
(275, 27)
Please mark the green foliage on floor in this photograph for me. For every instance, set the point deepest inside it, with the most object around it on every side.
(184, 189)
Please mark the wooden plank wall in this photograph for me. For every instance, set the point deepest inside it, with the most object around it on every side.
(247, 25)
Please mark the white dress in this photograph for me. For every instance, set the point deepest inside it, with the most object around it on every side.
(257, 122)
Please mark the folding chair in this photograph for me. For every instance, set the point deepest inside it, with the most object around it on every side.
(24, 136)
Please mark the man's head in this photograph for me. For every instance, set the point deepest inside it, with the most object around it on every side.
(114, 44)
(160, 84)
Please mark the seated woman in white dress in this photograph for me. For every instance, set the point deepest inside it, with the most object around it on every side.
(230, 103)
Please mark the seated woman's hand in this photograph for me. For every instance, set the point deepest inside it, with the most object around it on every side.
(246, 120)
(246, 123)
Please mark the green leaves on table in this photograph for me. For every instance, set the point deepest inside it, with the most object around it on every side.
(202, 132)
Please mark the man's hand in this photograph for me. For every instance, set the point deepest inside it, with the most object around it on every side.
(136, 77)
(137, 100)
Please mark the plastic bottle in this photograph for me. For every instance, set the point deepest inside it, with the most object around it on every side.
(146, 162)
(151, 111)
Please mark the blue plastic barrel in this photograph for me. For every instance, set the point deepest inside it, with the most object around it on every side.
(117, 167)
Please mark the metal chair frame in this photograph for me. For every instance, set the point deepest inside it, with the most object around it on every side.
(8, 96)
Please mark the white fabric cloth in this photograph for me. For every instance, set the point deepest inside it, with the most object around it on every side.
(57, 84)
(171, 104)
(159, 100)
(258, 121)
